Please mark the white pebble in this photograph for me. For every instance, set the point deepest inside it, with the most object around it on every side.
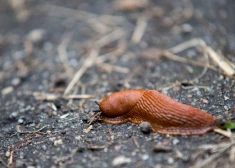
(120, 160)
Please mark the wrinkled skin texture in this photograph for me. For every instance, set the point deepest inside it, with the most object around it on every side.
(165, 115)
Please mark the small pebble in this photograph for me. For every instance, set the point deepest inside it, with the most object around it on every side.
(7, 90)
(205, 101)
(37, 35)
(145, 157)
(120, 160)
(20, 120)
(175, 141)
(44, 147)
(58, 142)
(14, 114)
(226, 98)
(15, 81)
(162, 148)
(186, 28)
(8, 154)
(170, 160)
(226, 108)
(145, 127)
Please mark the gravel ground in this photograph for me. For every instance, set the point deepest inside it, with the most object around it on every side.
(104, 47)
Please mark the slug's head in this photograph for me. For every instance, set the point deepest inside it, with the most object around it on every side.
(120, 103)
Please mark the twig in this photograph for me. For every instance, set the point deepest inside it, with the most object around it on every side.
(93, 118)
(3, 162)
(218, 59)
(63, 53)
(87, 63)
(222, 132)
(10, 161)
(221, 62)
(232, 154)
(113, 54)
(136, 142)
(205, 67)
(186, 45)
(139, 30)
(28, 132)
(79, 14)
(115, 35)
(49, 96)
(213, 157)
(93, 55)
(173, 57)
(87, 130)
(109, 68)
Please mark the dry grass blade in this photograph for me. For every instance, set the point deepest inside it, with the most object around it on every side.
(186, 45)
(213, 157)
(50, 96)
(78, 14)
(218, 59)
(63, 53)
(118, 33)
(87, 63)
(115, 35)
(222, 132)
(174, 57)
(110, 68)
(139, 30)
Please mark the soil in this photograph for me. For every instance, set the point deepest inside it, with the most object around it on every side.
(44, 43)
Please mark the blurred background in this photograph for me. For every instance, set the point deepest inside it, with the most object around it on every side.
(57, 57)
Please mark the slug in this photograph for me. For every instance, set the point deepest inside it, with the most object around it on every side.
(165, 115)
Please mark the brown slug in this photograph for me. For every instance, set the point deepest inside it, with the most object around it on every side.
(165, 115)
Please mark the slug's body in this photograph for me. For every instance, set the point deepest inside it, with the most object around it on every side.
(165, 115)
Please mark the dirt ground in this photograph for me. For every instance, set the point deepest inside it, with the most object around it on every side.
(58, 57)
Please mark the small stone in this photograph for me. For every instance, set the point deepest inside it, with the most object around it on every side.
(145, 157)
(175, 141)
(44, 147)
(7, 90)
(162, 148)
(205, 101)
(15, 81)
(14, 114)
(120, 160)
(145, 127)
(186, 28)
(37, 35)
(8, 154)
(170, 160)
(226, 98)
(226, 108)
(58, 142)
(20, 120)
(78, 137)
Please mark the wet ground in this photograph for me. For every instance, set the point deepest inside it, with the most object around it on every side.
(105, 47)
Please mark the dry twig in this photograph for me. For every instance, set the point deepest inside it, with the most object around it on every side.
(50, 96)
(63, 53)
(139, 30)
(218, 59)
(213, 157)
(93, 55)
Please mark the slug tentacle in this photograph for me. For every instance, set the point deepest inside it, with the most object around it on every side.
(165, 115)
